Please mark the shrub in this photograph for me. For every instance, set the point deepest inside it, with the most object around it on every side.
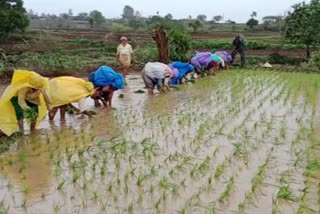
(256, 45)
(145, 54)
(119, 28)
(284, 60)
(315, 60)
(179, 44)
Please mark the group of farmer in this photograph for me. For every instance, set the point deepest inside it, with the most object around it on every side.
(31, 96)
(161, 76)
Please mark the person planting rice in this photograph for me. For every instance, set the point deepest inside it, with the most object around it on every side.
(124, 55)
(238, 48)
(25, 98)
(204, 63)
(77, 91)
(106, 81)
(158, 74)
(227, 58)
(219, 61)
(183, 69)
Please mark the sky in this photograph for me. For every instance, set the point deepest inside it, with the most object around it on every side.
(236, 10)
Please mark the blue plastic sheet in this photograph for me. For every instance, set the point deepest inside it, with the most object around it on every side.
(106, 76)
(183, 69)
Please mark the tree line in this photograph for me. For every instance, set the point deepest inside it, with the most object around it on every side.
(301, 25)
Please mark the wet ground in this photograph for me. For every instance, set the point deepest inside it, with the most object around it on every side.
(234, 143)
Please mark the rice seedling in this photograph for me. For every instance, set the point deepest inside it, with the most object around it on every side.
(220, 170)
(4, 209)
(286, 193)
(275, 206)
(26, 189)
(228, 190)
(61, 184)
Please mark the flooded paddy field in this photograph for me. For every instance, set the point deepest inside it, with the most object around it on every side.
(243, 141)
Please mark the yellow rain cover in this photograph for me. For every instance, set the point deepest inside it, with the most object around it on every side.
(65, 90)
(21, 79)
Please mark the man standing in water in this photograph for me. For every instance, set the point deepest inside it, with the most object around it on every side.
(238, 47)
(124, 55)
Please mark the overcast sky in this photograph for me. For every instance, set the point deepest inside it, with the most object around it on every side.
(237, 10)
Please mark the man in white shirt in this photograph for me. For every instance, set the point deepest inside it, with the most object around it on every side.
(124, 55)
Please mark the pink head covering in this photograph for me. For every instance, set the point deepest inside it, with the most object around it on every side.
(123, 39)
(174, 72)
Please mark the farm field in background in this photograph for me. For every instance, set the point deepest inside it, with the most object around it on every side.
(76, 52)
(243, 141)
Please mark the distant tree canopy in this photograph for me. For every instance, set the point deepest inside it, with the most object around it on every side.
(81, 17)
(252, 23)
(128, 12)
(254, 14)
(169, 16)
(302, 25)
(217, 18)
(270, 22)
(202, 18)
(97, 17)
(195, 25)
(13, 17)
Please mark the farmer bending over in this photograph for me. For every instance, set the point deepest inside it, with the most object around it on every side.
(158, 74)
(183, 69)
(77, 91)
(226, 57)
(26, 97)
(106, 81)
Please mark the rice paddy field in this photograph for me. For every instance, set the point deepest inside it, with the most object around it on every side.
(242, 141)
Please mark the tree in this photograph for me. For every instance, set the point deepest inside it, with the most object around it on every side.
(217, 18)
(128, 12)
(195, 25)
(13, 17)
(82, 17)
(159, 35)
(202, 18)
(254, 14)
(229, 21)
(137, 14)
(169, 16)
(70, 13)
(97, 17)
(252, 23)
(303, 25)
(272, 21)
(64, 16)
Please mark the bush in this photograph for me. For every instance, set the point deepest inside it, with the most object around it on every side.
(145, 54)
(284, 60)
(179, 45)
(211, 45)
(315, 60)
(256, 45)
(119, 28)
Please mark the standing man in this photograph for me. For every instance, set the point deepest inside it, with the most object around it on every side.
(238, 47)
(124, 55)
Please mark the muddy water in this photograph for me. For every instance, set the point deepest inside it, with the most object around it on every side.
(193, 150)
